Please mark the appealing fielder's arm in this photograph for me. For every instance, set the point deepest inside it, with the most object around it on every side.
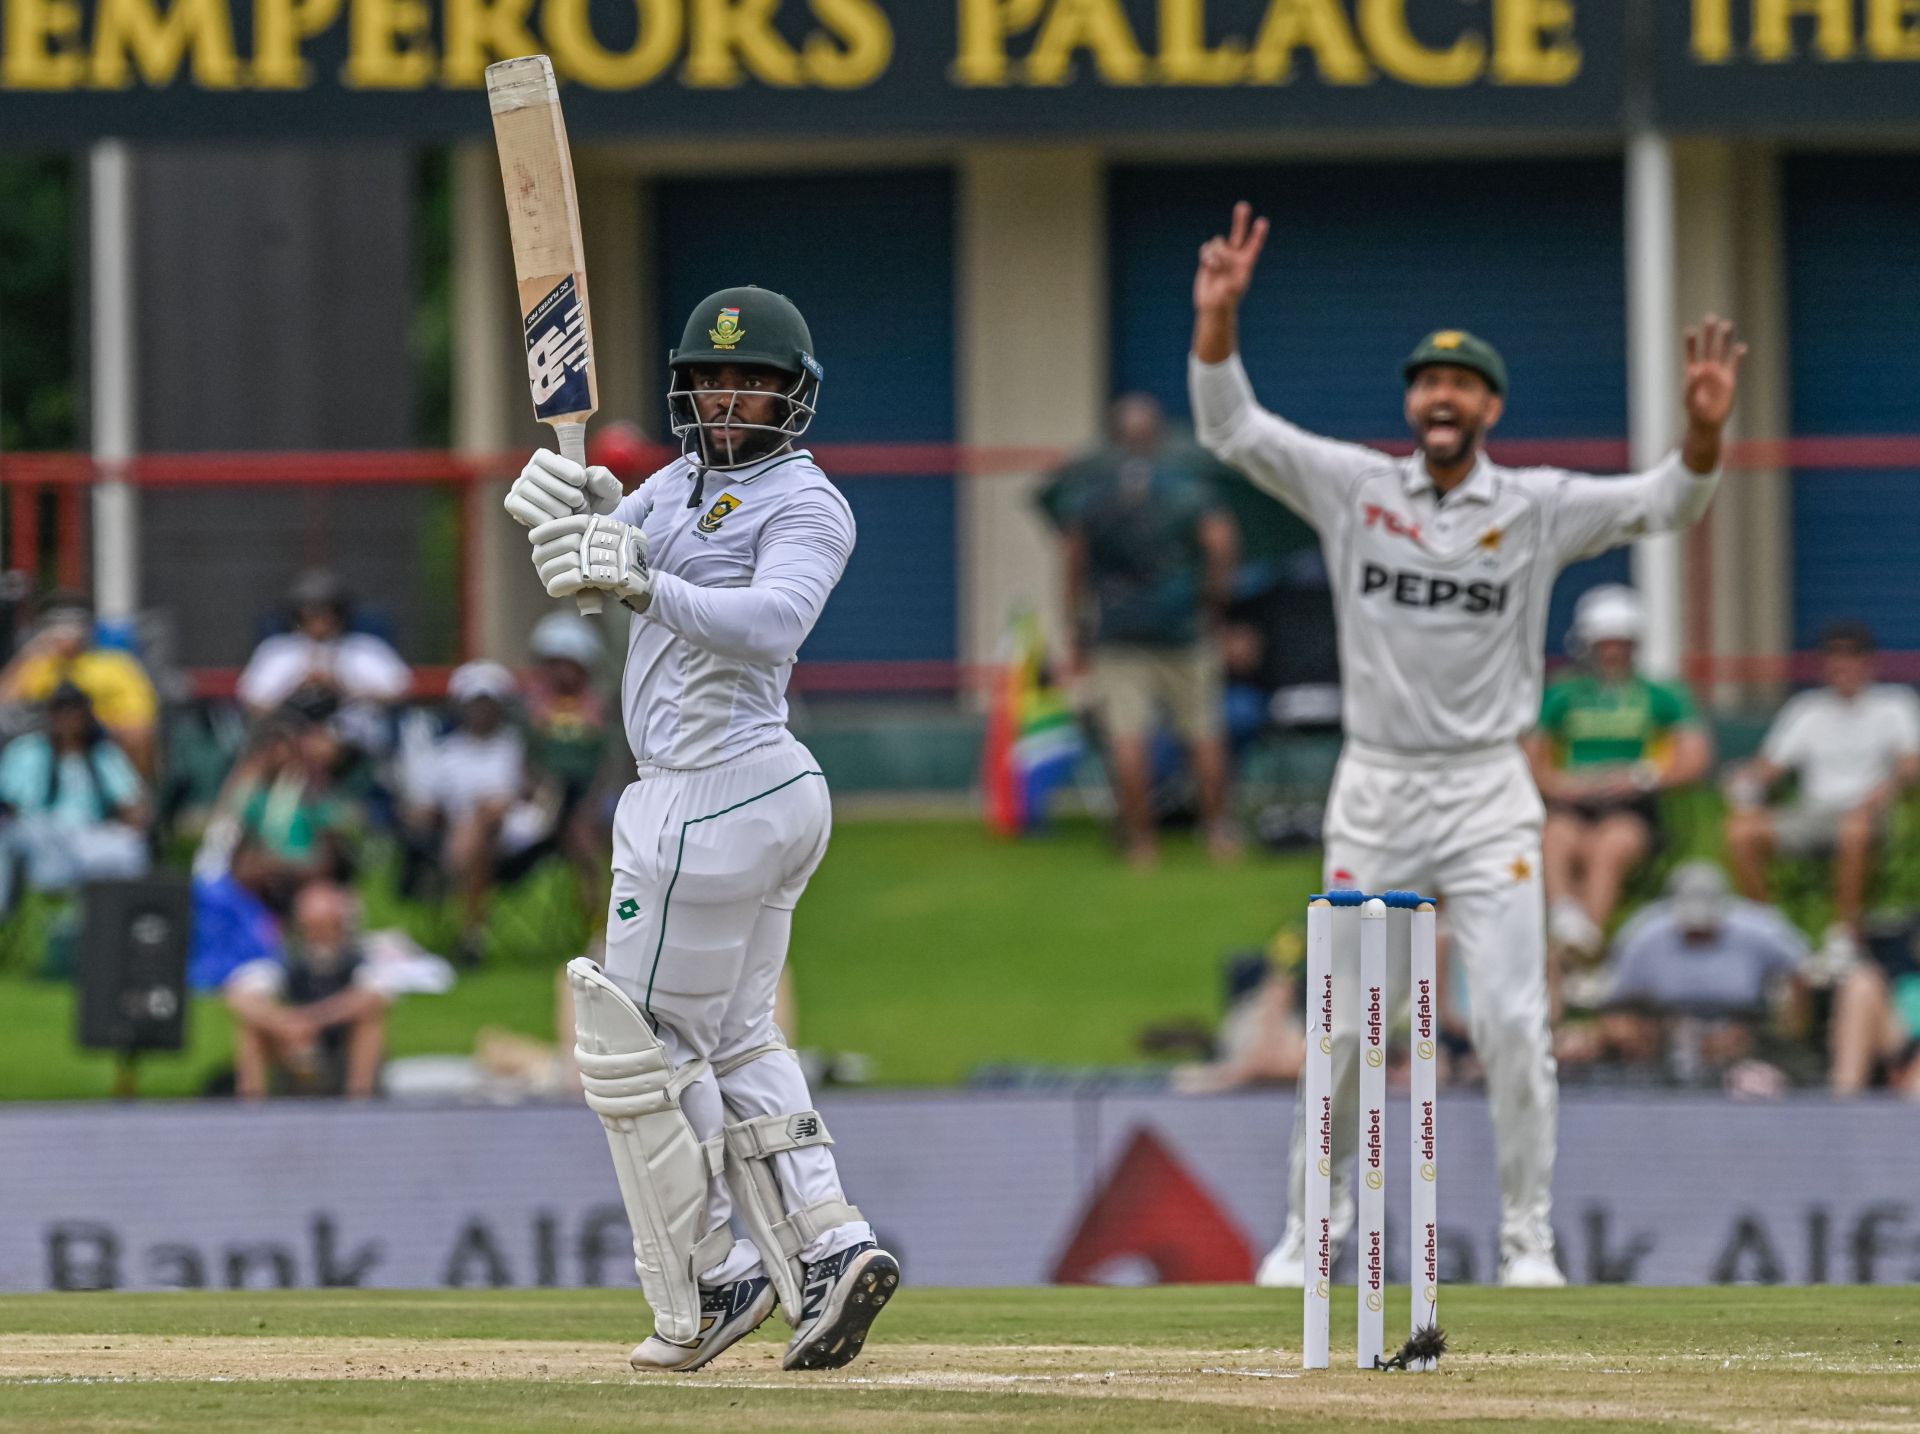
(1592, 515)
(1306, 472)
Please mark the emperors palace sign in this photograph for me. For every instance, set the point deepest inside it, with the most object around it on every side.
(72, 69)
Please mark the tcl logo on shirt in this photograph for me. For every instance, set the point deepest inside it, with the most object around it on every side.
(1424, 590)
(1378, 517)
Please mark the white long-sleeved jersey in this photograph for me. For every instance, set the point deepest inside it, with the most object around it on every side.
(739, 579)
(1442, 606)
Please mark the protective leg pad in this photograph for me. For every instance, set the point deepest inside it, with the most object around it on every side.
(662, 1167)
(779, 1235)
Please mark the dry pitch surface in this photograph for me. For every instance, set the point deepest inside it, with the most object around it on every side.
(1065, 1359)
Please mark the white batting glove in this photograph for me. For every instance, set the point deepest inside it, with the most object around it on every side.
(552, 487)
(598, 552)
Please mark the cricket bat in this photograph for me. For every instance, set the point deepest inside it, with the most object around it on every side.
(549, 260)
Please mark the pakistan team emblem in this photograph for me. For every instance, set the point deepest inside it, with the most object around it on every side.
(1448, 339)
(717, 513)
(726, 332)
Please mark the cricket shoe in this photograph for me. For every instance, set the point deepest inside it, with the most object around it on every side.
(728, 1314)
(1285, 1266)
(843, 1295)
(1531, 1270)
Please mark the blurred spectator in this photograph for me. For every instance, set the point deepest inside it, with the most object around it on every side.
(465, 814)
(1150, 563)
(1697, 974)
(319, 1013)
(75, 808)
(1263, 1036)
(1855, 746)
(1874, 1031)
(1609, 741)
(363, 672)
(567, 739)
(62, 650)
(284, 795)
(234, 916)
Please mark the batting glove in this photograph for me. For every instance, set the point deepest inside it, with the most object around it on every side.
(552, 487)
(593, 552)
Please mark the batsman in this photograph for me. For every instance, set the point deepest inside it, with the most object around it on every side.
(1442, 566)
(725, 558)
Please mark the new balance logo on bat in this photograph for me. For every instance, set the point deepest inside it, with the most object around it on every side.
(557, 353)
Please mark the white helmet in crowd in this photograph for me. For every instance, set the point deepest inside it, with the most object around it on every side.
(1611, 612)
(568, 636)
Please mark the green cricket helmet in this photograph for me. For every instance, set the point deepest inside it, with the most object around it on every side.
(746, 327)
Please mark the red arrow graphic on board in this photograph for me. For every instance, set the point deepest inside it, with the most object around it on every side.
(1151, 1209)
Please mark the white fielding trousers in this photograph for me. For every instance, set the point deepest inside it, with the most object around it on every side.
(1464, 827)
(708, 866)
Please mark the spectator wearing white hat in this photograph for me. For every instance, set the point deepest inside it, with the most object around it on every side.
(463, 793)
(1608, 742)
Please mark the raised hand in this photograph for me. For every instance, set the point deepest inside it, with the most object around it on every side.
(1227, 262)
(1713, 372)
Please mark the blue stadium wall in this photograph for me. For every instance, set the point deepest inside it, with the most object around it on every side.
(865, 257)
(1365, 258)
(1852, 226)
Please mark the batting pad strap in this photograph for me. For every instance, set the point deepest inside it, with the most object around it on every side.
(803, 1227)
(723, 1069)
(634, 1083)
(767, 1135)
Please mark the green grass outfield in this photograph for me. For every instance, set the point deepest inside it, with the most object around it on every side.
(929, 946)
(1222, 1358)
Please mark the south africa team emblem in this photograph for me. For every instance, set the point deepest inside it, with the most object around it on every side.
(717, 513)
(726, 332)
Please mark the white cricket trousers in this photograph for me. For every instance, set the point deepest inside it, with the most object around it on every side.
(1465, 827)
(708, 866)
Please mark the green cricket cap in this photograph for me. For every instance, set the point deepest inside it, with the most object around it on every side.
(1462, 350)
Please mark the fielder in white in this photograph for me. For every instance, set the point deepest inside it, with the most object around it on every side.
(726, 557)
(1442, 565)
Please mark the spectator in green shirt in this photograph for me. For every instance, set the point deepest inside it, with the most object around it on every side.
(1609, 741)
(1150, 559)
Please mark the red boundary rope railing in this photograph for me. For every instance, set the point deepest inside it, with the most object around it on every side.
(65, 476)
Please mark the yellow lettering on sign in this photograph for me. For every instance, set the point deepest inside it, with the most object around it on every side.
(985, 28)
(1384, 25)
(1095, 25)
(1533, 42)
(853, 46)
(1773, 28)
(278, 28)
(1893, 29)
(1317, 25)
(578, 53)
(1185, 58)
(735, 38)
(478, 32)
(387, 45)
(43, 51)
(131, 35)
(1712, 31)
